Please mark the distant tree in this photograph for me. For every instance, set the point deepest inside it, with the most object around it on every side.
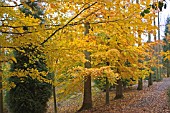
(166, 47)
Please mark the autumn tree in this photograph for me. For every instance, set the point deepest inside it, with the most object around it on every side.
(150, 78)
(32, 94)
(119, 44)
(62, 41)
(157, 8)
(26, 63)
(166, 47)
(166, 61)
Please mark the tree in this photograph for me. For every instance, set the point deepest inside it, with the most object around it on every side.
(87, 98)
(166, 48)
(150, 81)
(40, 90)
(62, 39)
(29, 94)
(158, 48)
(166, 62)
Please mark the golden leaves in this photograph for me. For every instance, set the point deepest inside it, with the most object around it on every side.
(112, 38)
(166, 55)
(14, 59)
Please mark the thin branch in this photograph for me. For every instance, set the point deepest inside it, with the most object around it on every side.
(1, 61)
(109, 21)
(67, 23)
(78, 22)
(17, 26)
(17, 33)
(12, 6)
(72, 24)
(10, 47)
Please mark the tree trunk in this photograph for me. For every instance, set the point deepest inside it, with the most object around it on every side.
(155, 52)
(124, 85)
(1, 96)
(1, 91)
(107, 91)
(168, 68)
(137, 1)
(87, 98)
(168, 71)
(140, 84)
(158, 77)
(150, 82)
(157, 71)
(119, 89)
(55, 102)
(159, 48)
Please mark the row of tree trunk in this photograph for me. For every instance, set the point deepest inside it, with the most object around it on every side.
(87, 99)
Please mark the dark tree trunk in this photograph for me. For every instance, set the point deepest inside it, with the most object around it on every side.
(107, 91)
(119, 89)
(168, 71)
(137, 1)
(159, 50)
(87, 98)
(158, 77)
(55, 102)
(150, 82)
(140, 84)
(1, 91)
(157, 71)
(155, 51)
(168, 68)
(1, 97)
(124, 85)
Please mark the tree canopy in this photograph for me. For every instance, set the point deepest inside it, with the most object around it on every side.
(114, 37)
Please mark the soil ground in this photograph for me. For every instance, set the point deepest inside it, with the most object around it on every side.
(151, 99)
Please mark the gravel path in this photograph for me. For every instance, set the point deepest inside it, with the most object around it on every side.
(151, 99)
(154, 99)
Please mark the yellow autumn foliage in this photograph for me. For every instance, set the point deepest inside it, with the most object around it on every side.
(113, 36)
